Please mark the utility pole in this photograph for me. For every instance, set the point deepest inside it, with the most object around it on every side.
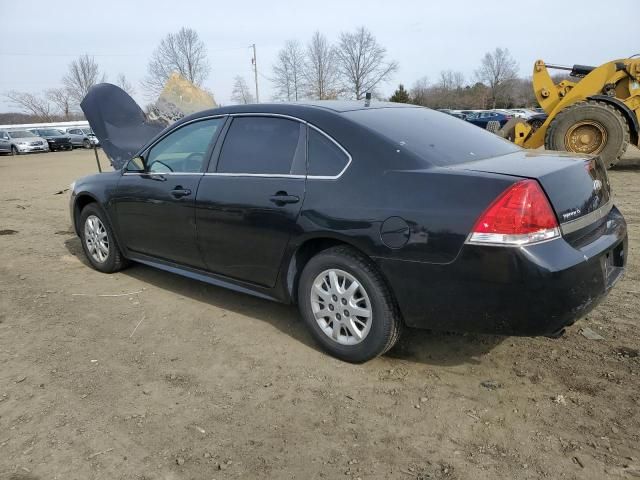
(254, 61)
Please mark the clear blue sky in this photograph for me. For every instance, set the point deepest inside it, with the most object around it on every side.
(38, 39)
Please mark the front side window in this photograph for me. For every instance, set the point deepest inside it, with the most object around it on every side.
(325, 158)
(184, 150)
(260, 145)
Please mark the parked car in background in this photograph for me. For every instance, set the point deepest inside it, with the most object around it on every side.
(482, 119)
(459, 115)
(54, 137)
(81, 137)
(537, 120)
(21, 141)
(5, 142)
(522, 113)
(466, 113)
(453, 113)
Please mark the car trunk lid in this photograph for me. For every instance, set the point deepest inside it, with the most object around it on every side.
(577, 187)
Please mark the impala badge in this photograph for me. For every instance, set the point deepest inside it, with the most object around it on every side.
(571, 214)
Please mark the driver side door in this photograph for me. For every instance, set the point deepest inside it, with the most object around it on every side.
(155, 206)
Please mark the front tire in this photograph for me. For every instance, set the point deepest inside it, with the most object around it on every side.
(98, 241)
(589, 127)
(86, 144)
(348, 306)
(14, 150)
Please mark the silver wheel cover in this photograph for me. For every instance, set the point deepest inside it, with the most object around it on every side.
(341, 307)
(96, 239)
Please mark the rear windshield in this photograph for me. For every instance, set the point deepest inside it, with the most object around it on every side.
(438, 138)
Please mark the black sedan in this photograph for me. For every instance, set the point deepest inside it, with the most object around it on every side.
(55, 138)
(371, 217)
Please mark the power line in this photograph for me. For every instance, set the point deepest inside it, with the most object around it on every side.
(137, 54)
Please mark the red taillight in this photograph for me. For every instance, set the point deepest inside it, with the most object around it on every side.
(520, 215)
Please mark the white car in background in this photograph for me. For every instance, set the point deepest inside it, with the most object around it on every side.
(81, 136)
(522, 113)
(17, 142)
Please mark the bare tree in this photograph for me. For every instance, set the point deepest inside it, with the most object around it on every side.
(61, 98)
(124, 84)
(450, 80)
(183, 52)
(241, 92)
(497, 71)
(362, 62)
(83, 74)
(420, 91)
(288, 72)
(37, 106)
(320, 71)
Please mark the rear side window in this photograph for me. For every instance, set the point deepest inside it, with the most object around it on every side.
(438, 138)
(262, 145)
(325, 158)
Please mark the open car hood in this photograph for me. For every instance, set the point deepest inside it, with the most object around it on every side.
(123, 128)
(118, 122)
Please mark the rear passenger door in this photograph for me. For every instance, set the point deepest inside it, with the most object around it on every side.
(248, 202)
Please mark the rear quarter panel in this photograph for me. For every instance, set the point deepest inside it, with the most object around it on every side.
(439, 206)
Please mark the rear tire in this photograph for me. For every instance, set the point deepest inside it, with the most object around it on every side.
(590, 127)
(367, 308)
(98, 241)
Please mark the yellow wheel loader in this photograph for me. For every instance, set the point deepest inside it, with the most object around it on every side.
(598, 114)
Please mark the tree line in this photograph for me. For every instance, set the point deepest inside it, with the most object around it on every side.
(351, 67)
(495, 84)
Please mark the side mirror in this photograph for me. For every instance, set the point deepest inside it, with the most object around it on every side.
(136, 164)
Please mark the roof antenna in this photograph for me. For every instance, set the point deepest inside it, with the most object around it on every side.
(367, 99)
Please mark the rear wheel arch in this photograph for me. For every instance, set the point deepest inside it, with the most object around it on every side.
(305, 252)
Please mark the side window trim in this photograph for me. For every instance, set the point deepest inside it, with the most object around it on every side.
(213, 165)
(349, 159)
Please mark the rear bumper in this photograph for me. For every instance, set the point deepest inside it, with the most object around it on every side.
(535, 290)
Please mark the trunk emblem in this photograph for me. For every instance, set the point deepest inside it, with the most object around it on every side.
(571, 214)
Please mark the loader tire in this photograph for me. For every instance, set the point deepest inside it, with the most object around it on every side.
(589, 127)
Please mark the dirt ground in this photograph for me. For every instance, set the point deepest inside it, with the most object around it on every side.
(147, 375)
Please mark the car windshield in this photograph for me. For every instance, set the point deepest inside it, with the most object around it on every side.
(21, 134)
(49, 132)
(438, 138)
(87, 131)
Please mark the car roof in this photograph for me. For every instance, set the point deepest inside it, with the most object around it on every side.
(338, 106)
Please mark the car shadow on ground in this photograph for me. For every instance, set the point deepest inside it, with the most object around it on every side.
(419, 346)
